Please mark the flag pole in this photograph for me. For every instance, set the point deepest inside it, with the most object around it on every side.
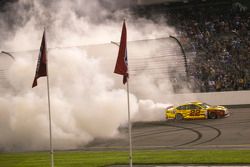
(121, 68)
(50, 129)
(129, 121)
(129, 128)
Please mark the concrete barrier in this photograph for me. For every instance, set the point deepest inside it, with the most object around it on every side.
(229, 98)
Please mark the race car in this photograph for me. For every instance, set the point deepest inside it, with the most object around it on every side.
(196, 110)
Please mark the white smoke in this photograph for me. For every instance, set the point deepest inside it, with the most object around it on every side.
(150, 111)
(86, 102)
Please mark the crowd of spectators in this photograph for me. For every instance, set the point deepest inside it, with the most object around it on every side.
(220, 36)
(221, 39)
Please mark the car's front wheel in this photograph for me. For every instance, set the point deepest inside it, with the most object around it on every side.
(179, 117)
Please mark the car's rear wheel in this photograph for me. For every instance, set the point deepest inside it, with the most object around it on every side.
(212, 115)
(179, 117)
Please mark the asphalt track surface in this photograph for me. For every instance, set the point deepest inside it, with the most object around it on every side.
(232, 132)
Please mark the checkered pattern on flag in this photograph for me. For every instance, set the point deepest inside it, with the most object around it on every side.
(41, 68)
(122, 60)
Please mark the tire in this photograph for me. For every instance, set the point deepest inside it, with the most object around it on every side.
(179, 117)
(212, 115)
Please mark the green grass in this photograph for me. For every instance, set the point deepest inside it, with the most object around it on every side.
(98, 159)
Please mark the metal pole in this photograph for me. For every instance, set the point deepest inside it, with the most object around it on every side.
(129, 128)
(8, 54)
(50, 129)
(184, 55)
(129, 121)
(115, 43)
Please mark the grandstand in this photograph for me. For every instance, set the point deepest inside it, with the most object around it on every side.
(219, 32)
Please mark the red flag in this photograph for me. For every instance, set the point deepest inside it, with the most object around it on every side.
(41, 68)
(122, 60)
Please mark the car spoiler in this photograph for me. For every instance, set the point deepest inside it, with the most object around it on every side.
(168, 107)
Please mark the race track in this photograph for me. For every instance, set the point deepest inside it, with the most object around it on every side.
(228, 133)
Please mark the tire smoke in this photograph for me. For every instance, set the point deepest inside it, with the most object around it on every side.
(87, 100)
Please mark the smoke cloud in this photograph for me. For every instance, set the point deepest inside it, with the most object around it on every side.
(87, 100)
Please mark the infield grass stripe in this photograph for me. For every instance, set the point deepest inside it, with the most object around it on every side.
(98, 159)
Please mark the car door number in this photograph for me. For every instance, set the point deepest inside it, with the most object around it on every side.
(195, 113)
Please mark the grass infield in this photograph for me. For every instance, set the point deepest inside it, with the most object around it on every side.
(99, 159)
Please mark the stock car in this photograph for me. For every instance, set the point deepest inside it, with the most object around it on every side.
(196, 110)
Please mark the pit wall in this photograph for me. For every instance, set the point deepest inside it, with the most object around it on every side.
(229, 98)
